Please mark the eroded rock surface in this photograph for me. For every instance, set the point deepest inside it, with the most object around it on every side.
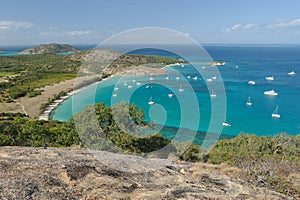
(71, 173)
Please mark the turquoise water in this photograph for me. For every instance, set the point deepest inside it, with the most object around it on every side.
(9, 53)
(254, 63)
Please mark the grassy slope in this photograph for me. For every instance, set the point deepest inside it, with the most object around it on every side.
(27, 73)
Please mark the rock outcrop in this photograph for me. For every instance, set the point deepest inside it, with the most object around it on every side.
(50, 48)
(71, 173)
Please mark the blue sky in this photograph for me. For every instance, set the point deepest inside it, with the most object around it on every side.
(92, 21)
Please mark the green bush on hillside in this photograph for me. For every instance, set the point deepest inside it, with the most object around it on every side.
(265, 161)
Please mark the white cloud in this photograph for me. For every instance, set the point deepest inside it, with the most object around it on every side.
(6, 25)
(284, 23)
(278, 24)
(66, 33)
(241, 27)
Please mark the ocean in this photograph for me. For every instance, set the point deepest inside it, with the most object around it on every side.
(243, 63)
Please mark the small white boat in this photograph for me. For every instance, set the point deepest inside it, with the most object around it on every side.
(129, 86)
(275, 113)
(125, 84)
(147, 86)
(214, 77)
(177, 78)
(170, 95)
(271, 93)
(182, 65)
(226, 124)
(203, 67)
(213, 94)
(116, 88)
(150, 102)
(115, 95)
(151, 78)
(138, 83)
(167, 78)
(188, 77)
(251, 82)
(291, 73)
(237, 67)
(249, 103)
(270, 78)
(180, 89)
(209, 80)
(195, 78)
(133, 80)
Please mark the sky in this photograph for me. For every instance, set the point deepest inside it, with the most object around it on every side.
(33, 22)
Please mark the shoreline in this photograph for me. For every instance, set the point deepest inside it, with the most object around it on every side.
(46, 115)
(48, 112)
(32, 106)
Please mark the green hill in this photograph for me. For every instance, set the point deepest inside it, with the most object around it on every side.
(50, 48)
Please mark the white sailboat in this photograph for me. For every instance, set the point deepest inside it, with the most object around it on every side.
(270, 78)
(291, 73)
(209, 80)
(213, 94)
(170, 95)
(251, 82)
(271, 93)
(275, 113)
(115, 95)
(226, 124)
(195, 78)
(180, 88)
(150, 102)
(249, 103)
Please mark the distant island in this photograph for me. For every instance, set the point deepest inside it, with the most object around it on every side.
(50, 48)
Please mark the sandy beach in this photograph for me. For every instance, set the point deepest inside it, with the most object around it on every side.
(32, 105)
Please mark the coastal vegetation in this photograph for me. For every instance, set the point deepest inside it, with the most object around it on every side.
(270, 162)
(25, 74)
(18, 130)
(265, 161)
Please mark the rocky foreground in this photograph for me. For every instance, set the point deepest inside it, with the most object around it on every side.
(60, 173)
